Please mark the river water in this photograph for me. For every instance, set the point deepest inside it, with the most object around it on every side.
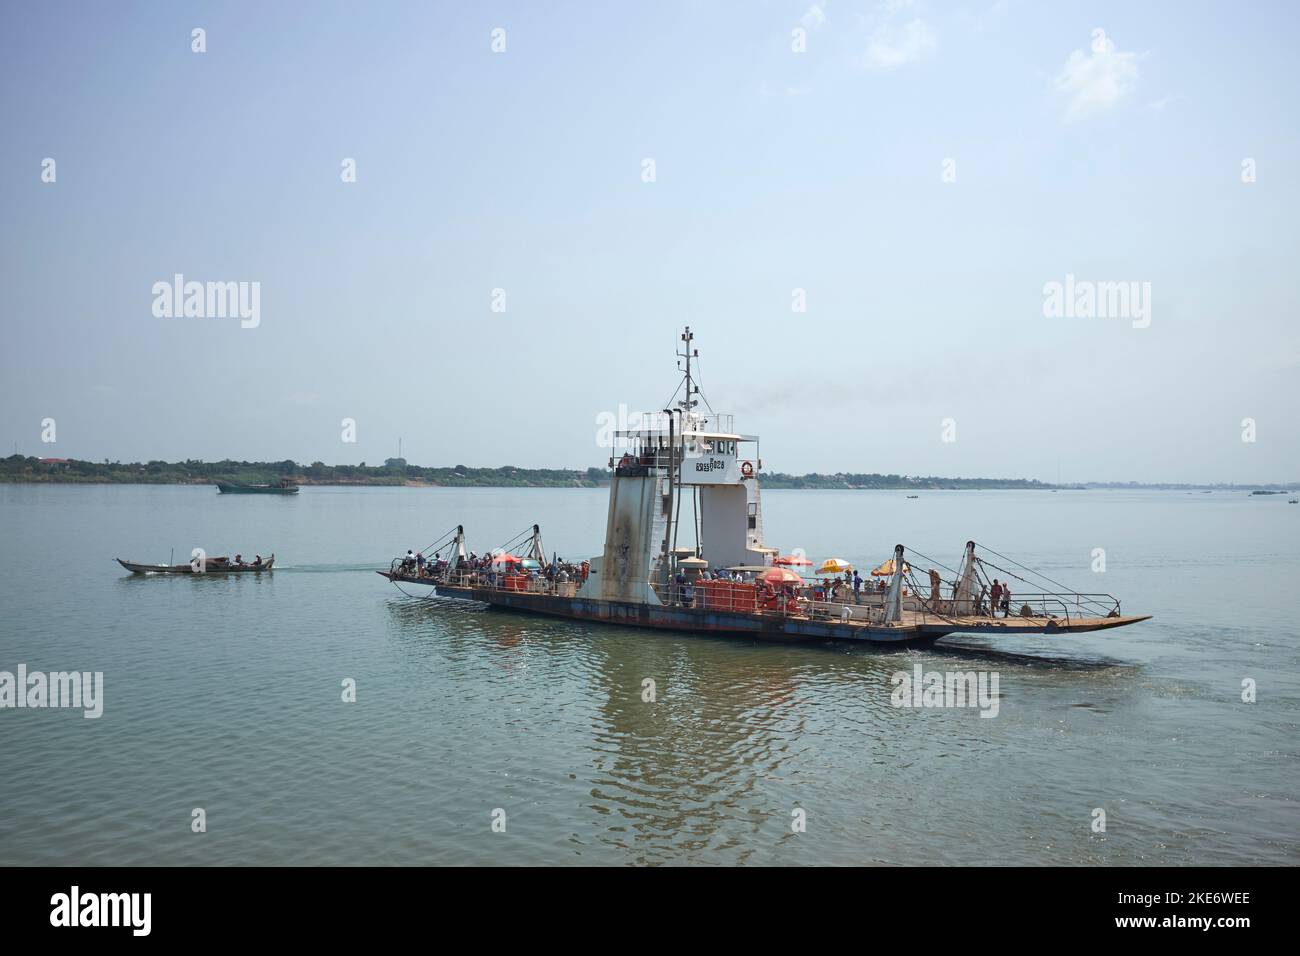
(226, 693)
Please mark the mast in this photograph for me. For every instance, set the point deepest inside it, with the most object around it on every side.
(963, 597)
(894, 602)
(689, 402)
(535, 549)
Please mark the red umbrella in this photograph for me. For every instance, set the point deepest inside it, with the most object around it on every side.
(792, 560)
(780, 576)
(505, 559)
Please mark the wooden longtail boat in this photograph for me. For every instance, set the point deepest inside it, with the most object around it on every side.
(213, 565)
(232, 488)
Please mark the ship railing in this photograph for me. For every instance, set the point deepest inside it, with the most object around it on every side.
(486, 579)
(869, 606)
(1059, 605)
(733, 597)
(659, 423)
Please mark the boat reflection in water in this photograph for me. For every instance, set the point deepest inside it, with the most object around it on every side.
(709, 761)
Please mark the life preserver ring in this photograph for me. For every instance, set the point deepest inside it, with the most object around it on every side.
(747, 469)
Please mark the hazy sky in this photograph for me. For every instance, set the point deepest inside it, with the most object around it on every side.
(1112, 156)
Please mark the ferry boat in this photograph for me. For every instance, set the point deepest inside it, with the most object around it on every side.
(729, 581)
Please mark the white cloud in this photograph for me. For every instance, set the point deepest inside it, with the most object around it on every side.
(898, 37)
(1096, 81)
(894, 45)
(815, 17)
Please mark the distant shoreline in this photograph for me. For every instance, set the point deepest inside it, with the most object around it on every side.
(396, 473)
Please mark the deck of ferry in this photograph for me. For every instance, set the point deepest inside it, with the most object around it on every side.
(818, 620)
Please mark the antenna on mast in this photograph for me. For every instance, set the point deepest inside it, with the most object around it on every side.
(689, 402)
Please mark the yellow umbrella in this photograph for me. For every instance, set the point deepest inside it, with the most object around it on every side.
(834, 566)
(886, 569)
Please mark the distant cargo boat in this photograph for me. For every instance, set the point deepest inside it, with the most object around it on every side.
(233, 488)
(211, 566)
(730, 581)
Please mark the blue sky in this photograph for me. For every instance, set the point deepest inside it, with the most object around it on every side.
(1112, 157)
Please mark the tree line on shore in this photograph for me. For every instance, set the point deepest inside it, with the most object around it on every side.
(20, 468)
(17, 468)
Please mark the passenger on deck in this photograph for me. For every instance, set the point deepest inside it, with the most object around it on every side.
(995, 598)
(239, 560)
(857, 588)
(257, 561)
(1006, 600)
(419, 563)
